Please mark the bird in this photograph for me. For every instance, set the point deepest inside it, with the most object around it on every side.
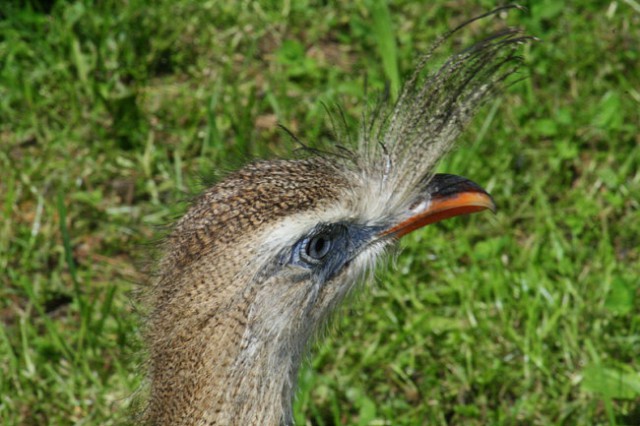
(261, 260)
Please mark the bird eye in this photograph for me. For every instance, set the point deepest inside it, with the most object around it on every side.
(324, 245)
(318, 247)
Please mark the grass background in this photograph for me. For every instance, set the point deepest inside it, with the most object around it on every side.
(111, 111)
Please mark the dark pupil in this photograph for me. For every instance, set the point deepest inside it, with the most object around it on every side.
(318, 247)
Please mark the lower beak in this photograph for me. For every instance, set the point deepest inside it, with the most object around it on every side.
(446, 196)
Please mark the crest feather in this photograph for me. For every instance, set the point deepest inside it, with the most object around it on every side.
(401, 145)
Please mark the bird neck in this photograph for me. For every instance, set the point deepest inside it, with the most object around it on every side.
(262, 383)
(217, 364)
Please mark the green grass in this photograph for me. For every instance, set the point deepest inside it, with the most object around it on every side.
(111, 112)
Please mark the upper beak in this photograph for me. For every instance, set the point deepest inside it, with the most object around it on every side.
(445, 196)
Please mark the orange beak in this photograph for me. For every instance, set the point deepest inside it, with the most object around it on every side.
(448, 196)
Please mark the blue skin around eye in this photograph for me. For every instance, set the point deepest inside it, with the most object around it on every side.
(346, 239)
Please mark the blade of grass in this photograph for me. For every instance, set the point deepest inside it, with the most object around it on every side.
(84, 308)
(386, 43)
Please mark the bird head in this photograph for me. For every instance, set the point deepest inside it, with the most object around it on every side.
(262, 258)
(291, 238)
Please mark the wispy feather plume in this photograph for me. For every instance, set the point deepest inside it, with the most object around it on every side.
(400, 147)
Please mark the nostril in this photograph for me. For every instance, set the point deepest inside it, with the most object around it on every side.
(419, 204)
